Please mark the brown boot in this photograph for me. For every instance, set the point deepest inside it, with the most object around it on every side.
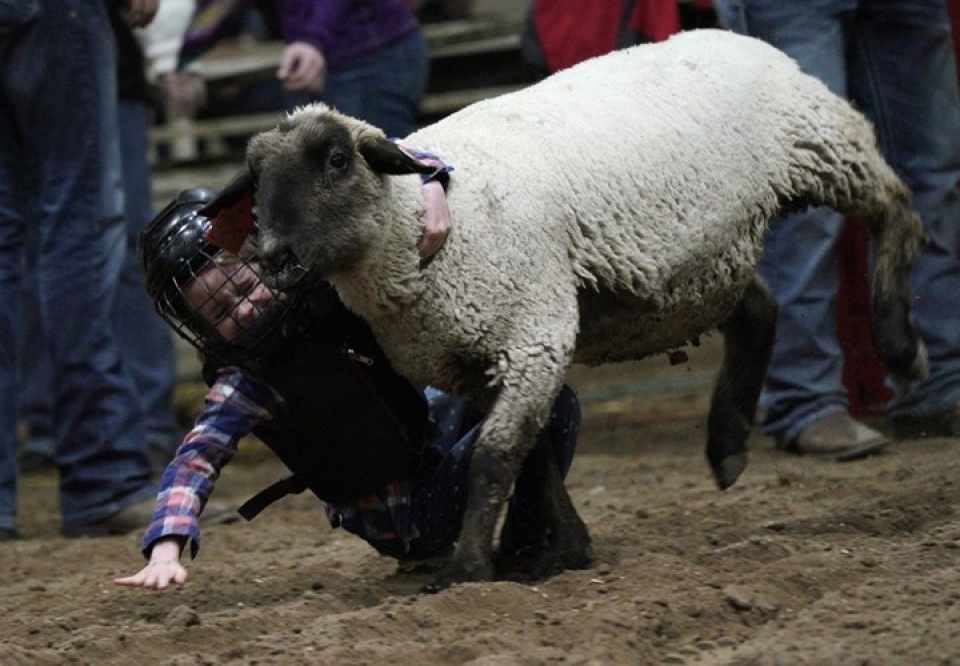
(838, 436)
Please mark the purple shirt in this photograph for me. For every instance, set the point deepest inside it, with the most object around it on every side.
(341, 29)
(345, 29)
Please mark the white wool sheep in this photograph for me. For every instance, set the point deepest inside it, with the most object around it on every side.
(612, 211)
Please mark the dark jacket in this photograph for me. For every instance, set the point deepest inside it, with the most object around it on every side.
(352, 424)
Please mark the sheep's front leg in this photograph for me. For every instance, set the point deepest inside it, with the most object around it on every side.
(497, 458)
(529, 379)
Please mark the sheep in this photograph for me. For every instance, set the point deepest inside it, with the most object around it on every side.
(610, 212)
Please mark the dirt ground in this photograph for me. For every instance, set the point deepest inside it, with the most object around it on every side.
(802, 561)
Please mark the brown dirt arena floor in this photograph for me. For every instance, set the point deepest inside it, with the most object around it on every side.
(801, 562)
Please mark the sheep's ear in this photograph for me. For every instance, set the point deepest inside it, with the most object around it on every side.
(384, 156)
(232, 212)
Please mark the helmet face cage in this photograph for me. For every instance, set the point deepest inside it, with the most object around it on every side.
(209, 304)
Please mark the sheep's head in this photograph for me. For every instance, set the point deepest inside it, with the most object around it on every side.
(317, 182)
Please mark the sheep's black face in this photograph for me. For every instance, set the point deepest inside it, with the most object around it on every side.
(310, 203)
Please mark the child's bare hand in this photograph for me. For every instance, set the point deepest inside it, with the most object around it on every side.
(163, 569)
(436, 223)
(157, 575)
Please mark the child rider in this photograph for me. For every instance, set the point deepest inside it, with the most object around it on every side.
(389, 462)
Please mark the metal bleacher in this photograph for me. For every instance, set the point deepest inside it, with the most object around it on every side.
(471, 59)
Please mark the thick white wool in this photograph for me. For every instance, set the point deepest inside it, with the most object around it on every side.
(649, 174)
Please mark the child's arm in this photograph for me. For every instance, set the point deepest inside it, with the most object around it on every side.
(234, 406)
(436, 223)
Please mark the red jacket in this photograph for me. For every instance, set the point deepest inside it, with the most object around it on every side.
(574, 30)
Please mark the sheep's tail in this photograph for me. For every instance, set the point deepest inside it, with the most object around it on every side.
(885, 204)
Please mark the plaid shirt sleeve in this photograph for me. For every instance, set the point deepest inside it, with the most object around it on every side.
(234, 405)
(441, 170)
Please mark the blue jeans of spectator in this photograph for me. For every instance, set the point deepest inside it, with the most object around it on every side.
(145, 341)
(895, 59)
(383, 88)
(57, 137)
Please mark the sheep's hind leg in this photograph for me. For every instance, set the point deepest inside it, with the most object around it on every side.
(748, 336)
(545, 536)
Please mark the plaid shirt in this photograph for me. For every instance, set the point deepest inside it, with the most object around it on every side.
(235, 405)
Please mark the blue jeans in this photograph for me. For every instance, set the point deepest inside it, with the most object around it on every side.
(383, 88)
(57, 137)
(146, 343)
(438, 503)
(895, 59)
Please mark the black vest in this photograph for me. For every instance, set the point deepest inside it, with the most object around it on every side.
(354, 424)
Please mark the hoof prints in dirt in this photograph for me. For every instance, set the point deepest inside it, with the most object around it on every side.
(844, 563)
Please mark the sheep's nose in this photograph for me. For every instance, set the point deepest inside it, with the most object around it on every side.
(280, 268)
(274, 260)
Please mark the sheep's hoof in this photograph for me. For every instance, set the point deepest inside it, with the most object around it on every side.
(728, 470)
(456, 572)
(570, 552)
(537, 555)
(530, 565)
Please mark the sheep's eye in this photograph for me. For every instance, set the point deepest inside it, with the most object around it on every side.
(338, 160)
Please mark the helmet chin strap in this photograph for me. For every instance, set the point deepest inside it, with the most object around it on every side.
(255, 338)
(283, 318)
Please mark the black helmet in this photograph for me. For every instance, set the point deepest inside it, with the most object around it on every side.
(172, 248)
(173, 252)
